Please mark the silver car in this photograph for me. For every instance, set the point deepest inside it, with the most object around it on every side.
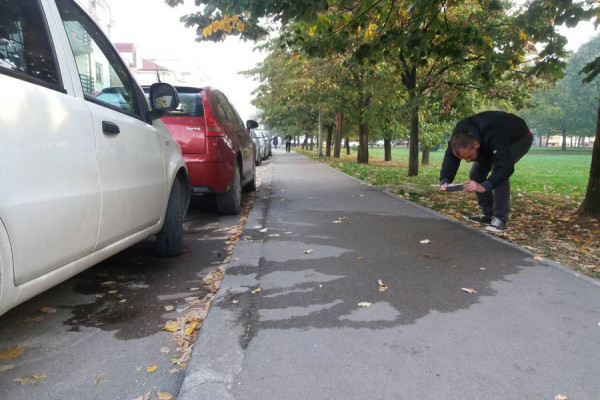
(258, 145)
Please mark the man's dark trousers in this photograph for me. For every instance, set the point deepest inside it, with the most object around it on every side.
(497, 201)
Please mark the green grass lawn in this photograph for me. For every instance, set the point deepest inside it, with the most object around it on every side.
(546, 171)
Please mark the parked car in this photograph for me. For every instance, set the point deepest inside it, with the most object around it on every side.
(265, 148)
(258, 145)
(216, 145)
(83, 177)
(269, 137)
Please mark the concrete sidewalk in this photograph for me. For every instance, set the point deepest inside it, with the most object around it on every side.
(316, 244)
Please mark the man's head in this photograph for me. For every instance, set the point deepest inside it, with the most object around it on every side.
(464, 146)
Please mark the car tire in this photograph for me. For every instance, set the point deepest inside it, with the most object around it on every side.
(169, 241)
(251, 186)
(230, 202)
(258, 161)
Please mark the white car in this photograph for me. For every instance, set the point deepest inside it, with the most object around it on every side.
(86, 167)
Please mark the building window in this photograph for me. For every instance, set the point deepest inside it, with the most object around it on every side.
(99, 73)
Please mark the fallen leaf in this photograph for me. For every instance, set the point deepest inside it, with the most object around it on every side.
(113, 291)
(308, 251)
(538, 257)
(468, 290)
(364, 304)
(164, 395)
(165, 350)
(191, 328)
(34, 319)
(382, 286)
(170, 326)
(236, 259)
(282, 199)
(33, 379)
(193, 289)
(425, 241)
(107, 283)
(247, 237)
(48, 310)
(144, 397)
(6, 367)
(98, 378)
(273, 235)
(256, 290)
(122, 301)
(560, 397)
(169, 308)
(235, 301)
(263, 230)
(360, 258)
(99, 296)
(151, 369)
(11, 352)
(336, 222)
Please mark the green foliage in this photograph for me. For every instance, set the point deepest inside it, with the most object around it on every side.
(569, 107)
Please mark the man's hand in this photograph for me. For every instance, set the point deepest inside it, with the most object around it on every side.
(443, 186)
(472, 186)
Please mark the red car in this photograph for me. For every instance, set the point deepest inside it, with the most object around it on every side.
(216, 145)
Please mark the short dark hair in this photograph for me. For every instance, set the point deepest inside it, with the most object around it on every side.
(462, 140)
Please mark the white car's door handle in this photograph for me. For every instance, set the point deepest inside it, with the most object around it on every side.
(110, 128)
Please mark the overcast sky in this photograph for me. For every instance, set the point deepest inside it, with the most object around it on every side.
(156, 29)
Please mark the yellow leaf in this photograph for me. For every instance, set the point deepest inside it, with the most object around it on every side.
(151, 369)
(256, 290)
(282, 199)
(11, 352)
(560, 397)
(98, 379)
(169, 308)
(112, 291)
(48, 310)
(34, 379)
(469, 290)
(538, 257)
(191, 328)
(364, 304)
(170, 326)
(382, 287)
(164, 395)
(6, 367)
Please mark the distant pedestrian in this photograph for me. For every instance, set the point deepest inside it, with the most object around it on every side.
(494, 141)
(288, 142)
(275, 141)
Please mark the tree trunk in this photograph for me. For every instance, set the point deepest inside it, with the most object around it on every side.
(564, 140)
(363, 132)
(425, 156)
(337, 143)
(410, 81)
(329, 139)
(387, 146)
(591, 203)
(413, 152)
(347, 145)
(363, 143)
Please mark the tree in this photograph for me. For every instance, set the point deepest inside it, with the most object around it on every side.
(591, 203)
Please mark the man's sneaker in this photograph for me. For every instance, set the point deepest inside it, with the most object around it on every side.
(497, 225)
(481, 218)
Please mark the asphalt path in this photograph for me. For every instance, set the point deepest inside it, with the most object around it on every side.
(101, 335)
(339, 290)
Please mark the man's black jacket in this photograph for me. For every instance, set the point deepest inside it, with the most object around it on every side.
(495, 131)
